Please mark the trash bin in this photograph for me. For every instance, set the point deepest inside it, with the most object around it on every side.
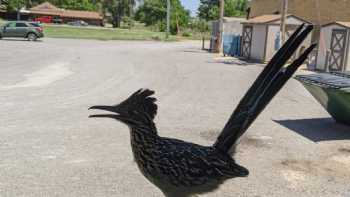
(332, 91)
(231, 45)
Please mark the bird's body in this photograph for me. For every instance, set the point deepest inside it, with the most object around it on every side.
(179, 167)
(182, 168)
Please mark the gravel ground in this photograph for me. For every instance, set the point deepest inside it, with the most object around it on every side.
(49, 147)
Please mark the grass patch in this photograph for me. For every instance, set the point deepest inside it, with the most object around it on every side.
(97, 33)
(139, 32)
(2, 22)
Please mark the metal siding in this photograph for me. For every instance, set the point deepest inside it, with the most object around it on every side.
(271, 39)
(325, 45)
(258, 42)
(347, 59)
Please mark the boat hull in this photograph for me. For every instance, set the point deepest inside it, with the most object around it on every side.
(335, 101)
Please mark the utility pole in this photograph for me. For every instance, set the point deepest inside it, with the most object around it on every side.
(168, 19)
(221, 27)
(18, 10)
(284, 12)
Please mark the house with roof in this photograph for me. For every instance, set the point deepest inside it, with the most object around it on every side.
(232, 30)
(318, 12)
(331, 32)
(333, 54)
(47, 9)
(261, 36)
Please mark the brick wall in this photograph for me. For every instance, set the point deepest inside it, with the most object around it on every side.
(315, 11)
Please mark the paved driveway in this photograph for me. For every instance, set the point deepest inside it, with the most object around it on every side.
(48, 146)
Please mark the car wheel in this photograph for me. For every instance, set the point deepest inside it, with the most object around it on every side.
(32, 37)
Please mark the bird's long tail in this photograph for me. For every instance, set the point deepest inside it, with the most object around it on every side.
(266, 86)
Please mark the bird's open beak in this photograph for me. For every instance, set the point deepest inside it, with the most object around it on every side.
(105, 108)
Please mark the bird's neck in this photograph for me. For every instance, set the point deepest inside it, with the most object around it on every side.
(143, 135)
(142, 142)
(143, 130)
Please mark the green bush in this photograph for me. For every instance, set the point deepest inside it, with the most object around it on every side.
(127, 22)
(186, 34)
(156, 37)
(154, 12)
(199, 25)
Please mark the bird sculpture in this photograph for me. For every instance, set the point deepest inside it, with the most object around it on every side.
(182, 169)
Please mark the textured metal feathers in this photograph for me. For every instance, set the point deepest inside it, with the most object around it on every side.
(181, 168)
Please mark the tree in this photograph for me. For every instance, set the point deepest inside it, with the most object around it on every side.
(76, 4)
(89, 5)
(209, 9)
(118, 9)
(15, 5)
(180, 17)
(153, 12)
(3, 4)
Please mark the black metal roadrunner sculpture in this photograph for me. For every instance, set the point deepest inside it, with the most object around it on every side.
(182, 168)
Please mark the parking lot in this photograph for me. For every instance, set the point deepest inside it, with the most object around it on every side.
(49, 147)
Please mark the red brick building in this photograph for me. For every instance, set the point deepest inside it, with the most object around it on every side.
(47, 9)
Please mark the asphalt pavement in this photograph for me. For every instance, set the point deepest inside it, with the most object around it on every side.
(49, 147)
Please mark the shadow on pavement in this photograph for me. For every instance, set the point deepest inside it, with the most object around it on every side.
(195, 51)
(18, 40)
(318, 129)
(235, 62)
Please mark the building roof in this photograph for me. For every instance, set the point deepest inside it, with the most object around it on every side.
(49, 13)
(49, 9)
(318, 12)
(269, 18)
(263, 19)
(233, 19)
(81, 14)
(341, 23)
(46, 6)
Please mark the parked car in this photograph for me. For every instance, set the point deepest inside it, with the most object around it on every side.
(44, 19)
(48, 19)
(78, 23)
(21, 29)
(35, 24)
(57, 20)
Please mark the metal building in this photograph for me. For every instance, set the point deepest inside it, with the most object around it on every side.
(231, 35)
(333, 53)
(261, 36)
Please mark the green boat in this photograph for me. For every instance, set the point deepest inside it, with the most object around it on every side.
(332, 90)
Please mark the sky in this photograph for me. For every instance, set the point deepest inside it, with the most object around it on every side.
(191, 5)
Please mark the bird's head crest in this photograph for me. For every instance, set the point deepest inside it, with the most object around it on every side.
(140, 106)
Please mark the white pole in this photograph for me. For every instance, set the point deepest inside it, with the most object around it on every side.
(221, 26)
(284, 11)
(168, 19)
